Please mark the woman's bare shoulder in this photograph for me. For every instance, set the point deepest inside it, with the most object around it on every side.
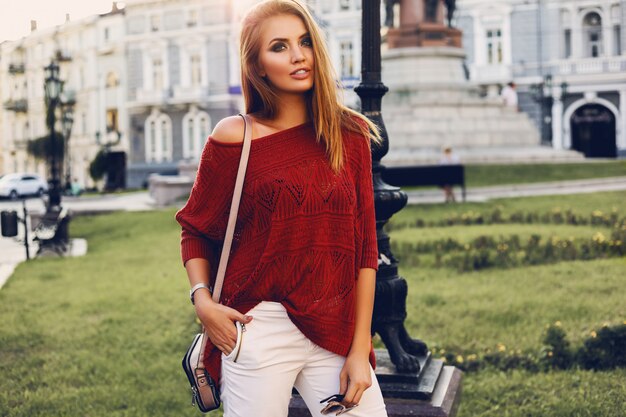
(229, 129)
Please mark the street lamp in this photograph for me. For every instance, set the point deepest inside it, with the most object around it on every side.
(53, 229)
(67, 121)
(542, 94)
(406, 353)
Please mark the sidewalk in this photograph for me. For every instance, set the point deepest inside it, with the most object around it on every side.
(482, 194)
(13, 252)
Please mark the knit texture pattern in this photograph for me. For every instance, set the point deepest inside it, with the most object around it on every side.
(302, 231)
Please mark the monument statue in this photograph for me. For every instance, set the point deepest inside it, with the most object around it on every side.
(389, 13)
(430, 10)
(451, 7)
(422, 23)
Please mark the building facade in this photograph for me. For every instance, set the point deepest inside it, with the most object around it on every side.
(568, 60)
(90, 56)
(183, 68)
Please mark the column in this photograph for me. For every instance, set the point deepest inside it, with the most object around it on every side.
(577, 35)
(557, 119)
(621, 130)
(607, 32)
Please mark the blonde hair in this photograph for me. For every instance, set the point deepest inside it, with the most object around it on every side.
(324, 105)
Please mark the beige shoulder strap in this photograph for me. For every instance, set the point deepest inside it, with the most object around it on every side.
(230, 228)
(234, 207)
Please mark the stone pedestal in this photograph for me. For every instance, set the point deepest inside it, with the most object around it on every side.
(167, 189)
(434, 392)
(430, 104)
(424, 34)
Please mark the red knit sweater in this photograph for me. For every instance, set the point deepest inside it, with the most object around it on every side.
(302, 232)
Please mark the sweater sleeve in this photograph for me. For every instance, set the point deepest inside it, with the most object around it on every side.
(366, 211)
(205, 215)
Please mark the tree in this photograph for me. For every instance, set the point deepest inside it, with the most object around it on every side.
(41, 148)
(98, 167)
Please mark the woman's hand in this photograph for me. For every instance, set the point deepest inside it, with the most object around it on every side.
(355, 377)
(218, 321)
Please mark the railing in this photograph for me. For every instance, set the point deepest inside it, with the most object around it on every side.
(574, 66)
(63, 56)
(491, 73)
(152, 96)
(17, 68)
(190, 93)
(20, 105)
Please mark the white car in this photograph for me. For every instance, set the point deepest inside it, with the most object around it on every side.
(18, 185)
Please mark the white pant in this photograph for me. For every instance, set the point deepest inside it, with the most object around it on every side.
(275, 356)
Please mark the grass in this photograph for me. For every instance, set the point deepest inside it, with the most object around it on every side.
(486, 175)
(103, 335)
(512, 307)
(467, 233)
(582, 204)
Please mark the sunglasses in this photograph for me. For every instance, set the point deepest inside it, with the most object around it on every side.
(334, 405)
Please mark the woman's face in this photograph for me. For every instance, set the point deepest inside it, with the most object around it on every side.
(286, 47)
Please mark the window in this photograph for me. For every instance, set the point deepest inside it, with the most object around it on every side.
(567, 43)
(112, 125)
(494, 46)
(106, 34)
(152, 152)
(158, 138)
(347, 62)
(155, 22)
(112, 80)
(592, 35)
(195, 71)
(344, 4)
(192, 19)
(617, 40)
(164, 135)
(195, 133)
(157, 74)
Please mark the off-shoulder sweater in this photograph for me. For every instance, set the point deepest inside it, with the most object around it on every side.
(302, 231)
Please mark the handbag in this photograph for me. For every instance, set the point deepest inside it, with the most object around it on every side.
(204, 389)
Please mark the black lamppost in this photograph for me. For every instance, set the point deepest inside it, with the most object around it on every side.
(67, 121)
(542, 94)
(407, 354)
(53, 86)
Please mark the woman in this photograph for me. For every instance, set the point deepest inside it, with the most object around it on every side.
(302, 269)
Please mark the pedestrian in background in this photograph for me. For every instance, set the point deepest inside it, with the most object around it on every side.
(448, 158)
(509, 95)
(302, 270)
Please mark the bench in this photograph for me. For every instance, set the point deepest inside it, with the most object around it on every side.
(425, 175)
(52, 231)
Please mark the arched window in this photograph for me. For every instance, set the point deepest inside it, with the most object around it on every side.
(112, 80)
(195, 132)
(592, 35)
(158, 139)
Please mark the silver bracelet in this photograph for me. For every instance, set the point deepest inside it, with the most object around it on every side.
(197, 287)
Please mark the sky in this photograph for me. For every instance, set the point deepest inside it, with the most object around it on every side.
(17, 14)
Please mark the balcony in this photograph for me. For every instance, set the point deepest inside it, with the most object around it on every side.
(16, 69)
(592, 65)
(152, 97)
(63, 55)
(192, 94)
(486, 74)
(576, 66)
(18, 106)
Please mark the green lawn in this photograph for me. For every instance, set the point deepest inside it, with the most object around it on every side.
(467, 233)
(484, 175)
(104, 334)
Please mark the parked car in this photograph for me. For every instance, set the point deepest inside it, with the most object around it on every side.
(18, 185)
